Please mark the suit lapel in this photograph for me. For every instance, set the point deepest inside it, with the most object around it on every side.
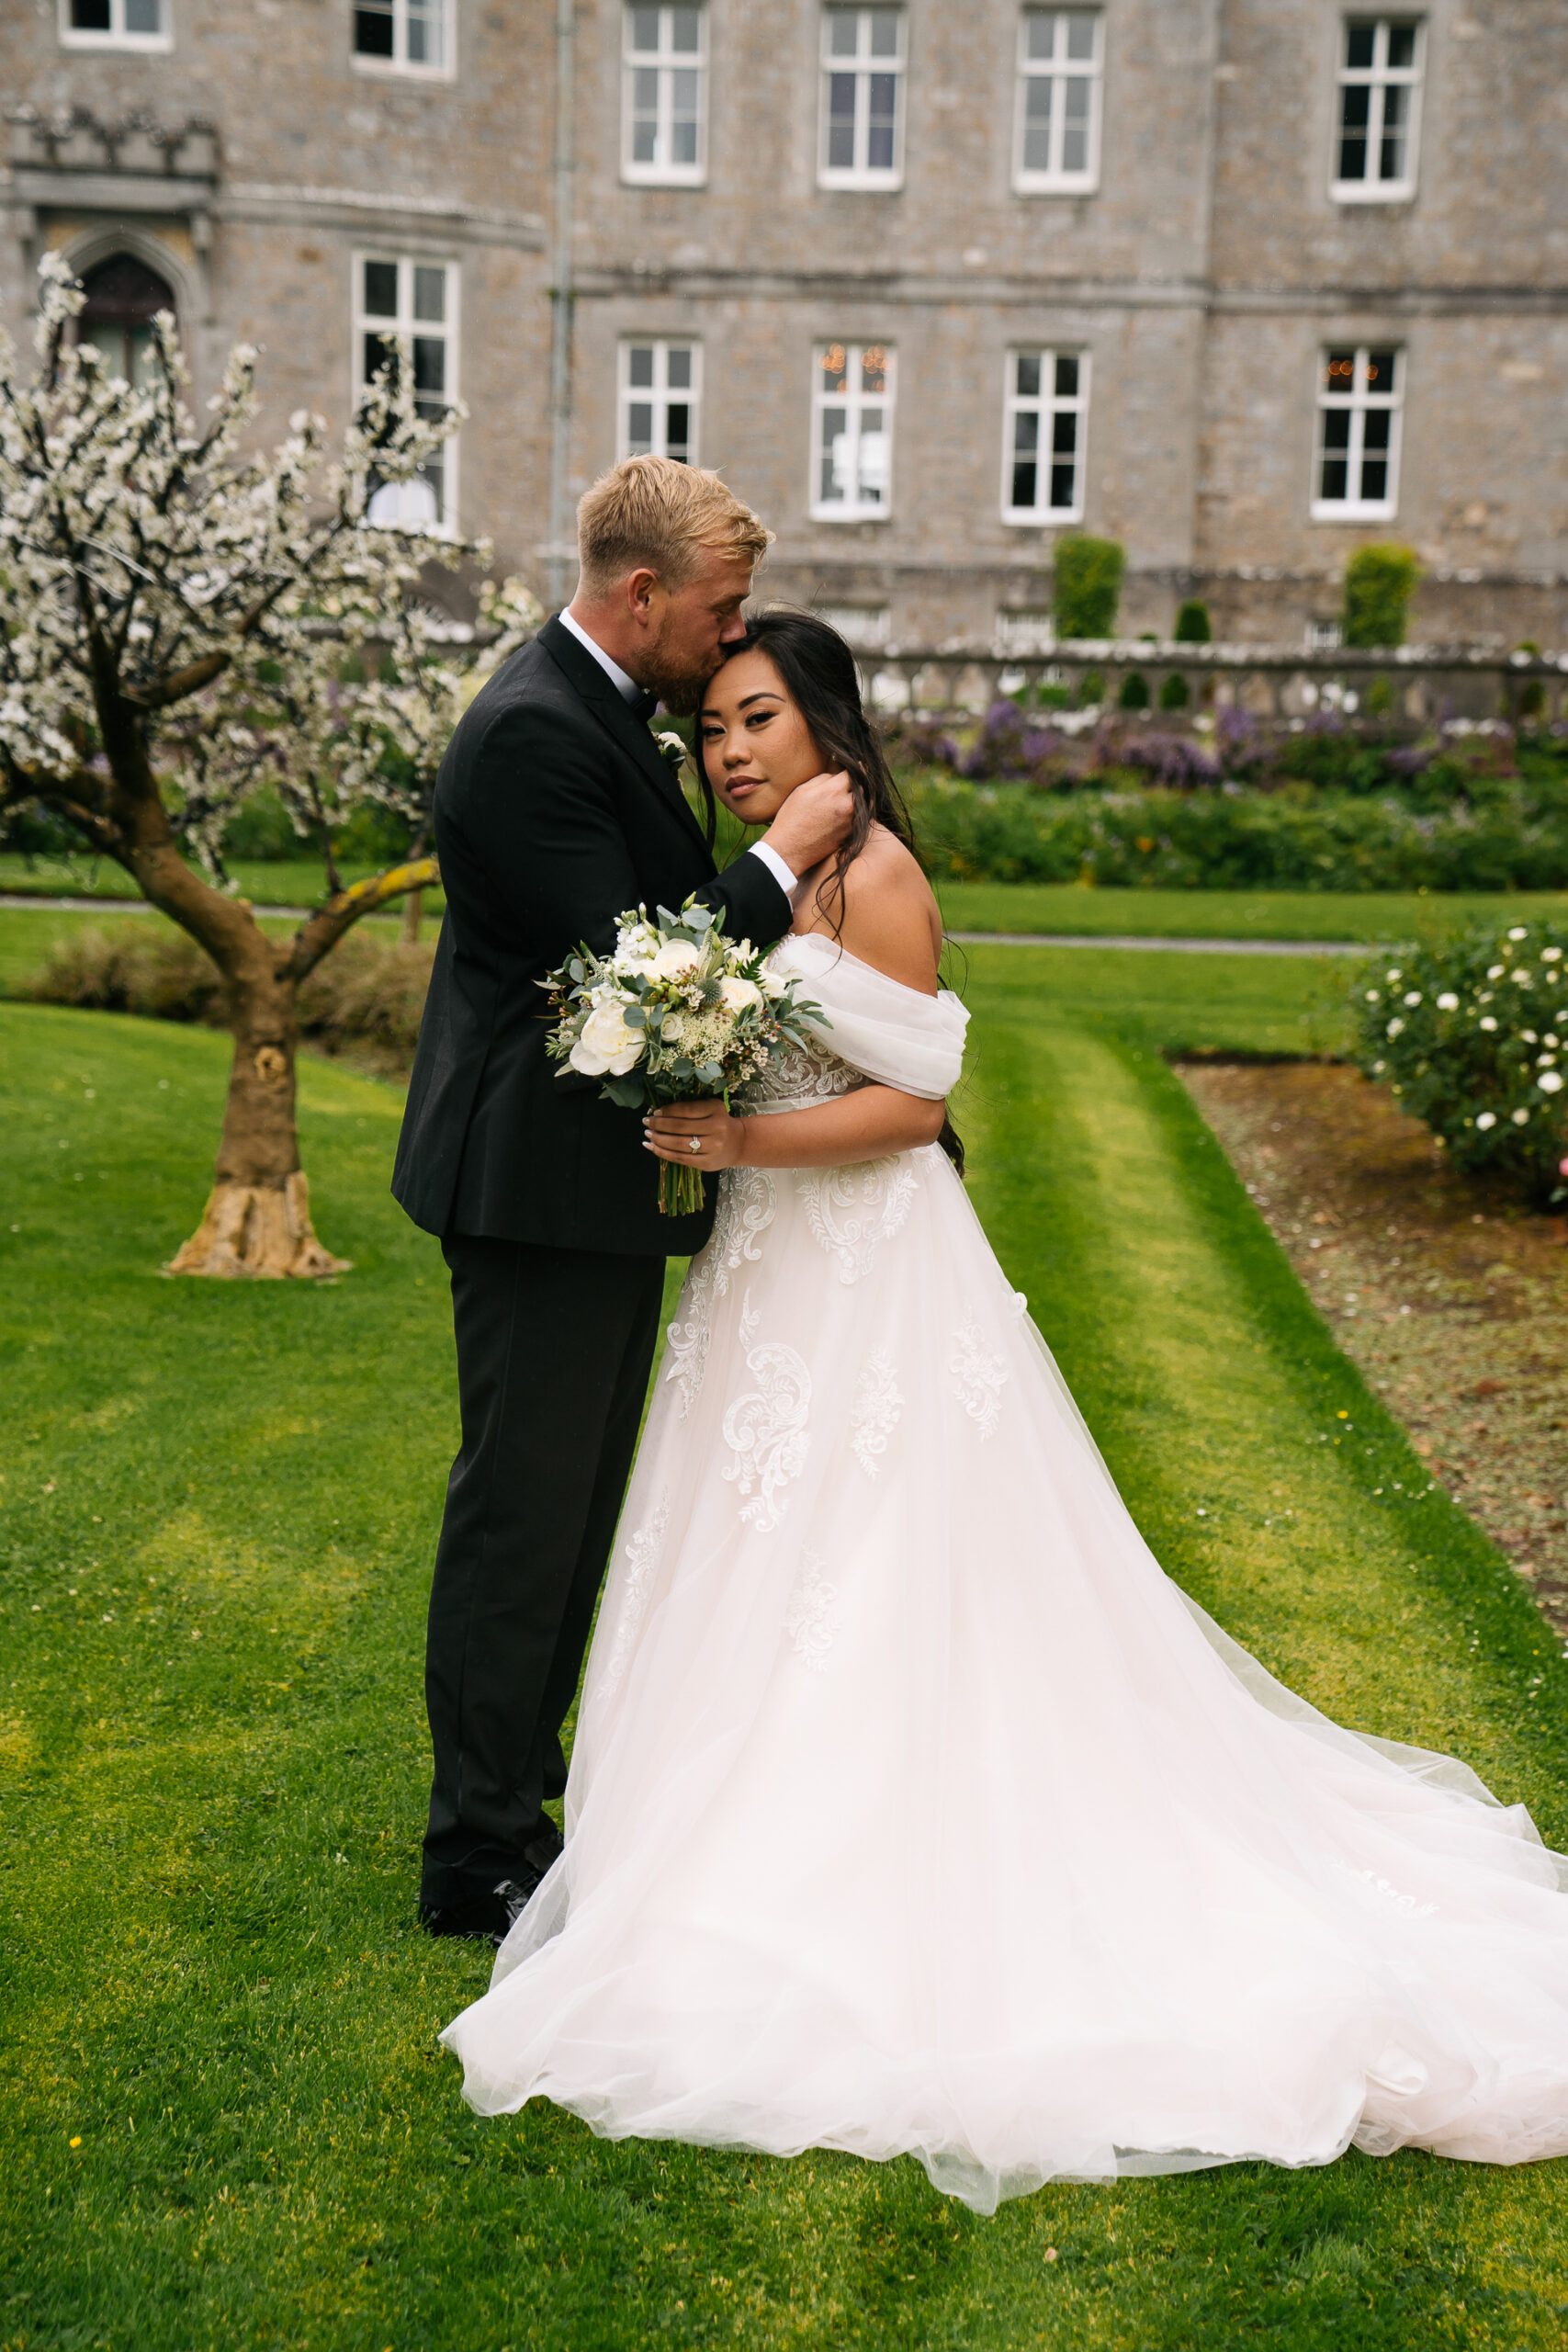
(628, 732)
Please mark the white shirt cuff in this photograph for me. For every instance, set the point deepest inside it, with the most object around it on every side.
(776, 866)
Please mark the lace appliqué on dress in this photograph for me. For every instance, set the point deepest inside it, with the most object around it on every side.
(747, 1202)
(811, 1620)
(978, 1379)
(1395, 1895)
(850, 1210)
(801, 1076)
(874, 1415)
(766, 1429)
(643, 1549)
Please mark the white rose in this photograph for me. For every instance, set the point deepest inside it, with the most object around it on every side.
(1393, 1029)
(675, 960)
(1447, 1001)
(606, 1046)
(735, 994)
(1518, 933)
(1550, 1081)
(1550, 955)
(1485, 1119)
(1374, 996)
(1486, 1022)
(672, 1028)
(1519, 1117)
(1412, 996)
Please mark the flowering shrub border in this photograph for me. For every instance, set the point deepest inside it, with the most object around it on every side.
(1473, 1038)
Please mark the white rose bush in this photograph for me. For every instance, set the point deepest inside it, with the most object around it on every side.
(184, 620)
(675, 1013)
(1472, 1035)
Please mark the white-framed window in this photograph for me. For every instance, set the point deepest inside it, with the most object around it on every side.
(664, 97)
(660, 394)
(863, 627)
(1061, 57)
(401, 294)
(851, 432)
(1044, 427)
(404, 37)
(115, 24)
(1360, 390)
(1379, 109)
(863, 98)
(1022, 632)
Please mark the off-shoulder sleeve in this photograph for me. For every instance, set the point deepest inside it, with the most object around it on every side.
(892, 1032)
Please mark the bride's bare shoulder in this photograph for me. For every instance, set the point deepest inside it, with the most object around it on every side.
(889, 918)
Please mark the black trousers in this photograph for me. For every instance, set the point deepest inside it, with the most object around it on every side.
(554, 1347)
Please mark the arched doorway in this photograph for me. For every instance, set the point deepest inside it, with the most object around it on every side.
(123, 299)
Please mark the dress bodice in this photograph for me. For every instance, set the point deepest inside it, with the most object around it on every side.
(803, 1076)
(871, 1031)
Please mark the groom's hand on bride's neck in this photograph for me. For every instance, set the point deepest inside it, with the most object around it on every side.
(812, 822)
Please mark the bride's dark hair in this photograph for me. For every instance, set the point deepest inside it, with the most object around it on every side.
(819, 673)
(821, 680)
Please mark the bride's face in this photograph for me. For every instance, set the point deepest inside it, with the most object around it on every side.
(755, 743)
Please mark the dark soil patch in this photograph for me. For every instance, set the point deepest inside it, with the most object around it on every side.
(1449, 1298)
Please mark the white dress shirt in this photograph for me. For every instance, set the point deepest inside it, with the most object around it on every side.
(629, 691)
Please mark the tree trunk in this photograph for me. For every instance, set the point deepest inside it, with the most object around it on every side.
(257, 1220)
(414, 911)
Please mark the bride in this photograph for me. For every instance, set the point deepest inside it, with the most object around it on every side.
(912, 1808)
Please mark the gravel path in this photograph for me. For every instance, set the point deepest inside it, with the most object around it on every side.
(1448, 1297)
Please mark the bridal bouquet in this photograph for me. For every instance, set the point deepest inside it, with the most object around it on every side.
(675, 1013)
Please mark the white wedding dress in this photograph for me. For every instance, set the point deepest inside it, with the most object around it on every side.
(913, 1808)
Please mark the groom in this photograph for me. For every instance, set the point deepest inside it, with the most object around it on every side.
(554, 812)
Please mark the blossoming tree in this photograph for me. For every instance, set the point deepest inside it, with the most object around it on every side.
(178, 618)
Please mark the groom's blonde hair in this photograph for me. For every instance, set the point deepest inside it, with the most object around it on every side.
(658, 512)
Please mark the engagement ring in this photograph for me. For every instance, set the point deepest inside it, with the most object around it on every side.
(696, 1143)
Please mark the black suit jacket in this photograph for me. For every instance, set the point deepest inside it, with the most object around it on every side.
(555, 812)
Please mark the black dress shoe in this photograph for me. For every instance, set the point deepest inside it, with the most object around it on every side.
(488, 1918)
(488, 1913)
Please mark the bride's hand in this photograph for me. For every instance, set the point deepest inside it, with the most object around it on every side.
(672, 1131)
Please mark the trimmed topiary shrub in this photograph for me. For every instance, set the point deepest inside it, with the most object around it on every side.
(1087, 587)
(1192, 624)
(1134, 691)
(1472, 1037)
(1174, 694)
(1378, 584)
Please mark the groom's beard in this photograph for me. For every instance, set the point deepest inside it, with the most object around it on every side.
(676, 678)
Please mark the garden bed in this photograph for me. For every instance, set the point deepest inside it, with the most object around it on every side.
(1447, 1296)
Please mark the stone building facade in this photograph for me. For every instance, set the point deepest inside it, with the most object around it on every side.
(1242, 283)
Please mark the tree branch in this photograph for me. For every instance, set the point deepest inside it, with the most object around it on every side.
(322, 929)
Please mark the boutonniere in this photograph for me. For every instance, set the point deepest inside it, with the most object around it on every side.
(671, 747)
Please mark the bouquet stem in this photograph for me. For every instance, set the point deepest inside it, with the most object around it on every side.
(679, 1189)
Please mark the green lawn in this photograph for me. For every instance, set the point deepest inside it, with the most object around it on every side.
(1067, 906)
(268, 882)
(1374, 915)
(223, 2116)
(27, 935)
